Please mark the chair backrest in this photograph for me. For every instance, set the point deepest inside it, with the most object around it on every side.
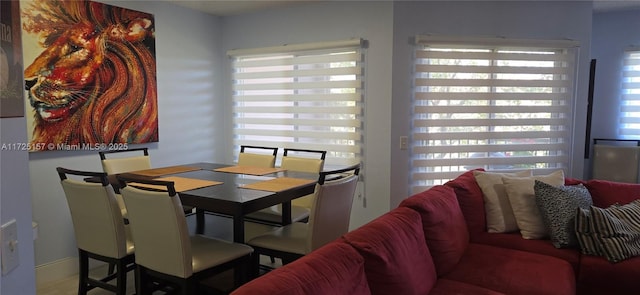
(257, 159)
(616, 163)
(303, 164)
(120, 164)
(158, 226)
(97, 221)
(331, 210)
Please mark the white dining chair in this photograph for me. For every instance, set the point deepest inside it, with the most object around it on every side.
(165, 250)
(100, 230)
(135, 159)
(294, 160)
(329, 219)
(261, 156)
(119, 161)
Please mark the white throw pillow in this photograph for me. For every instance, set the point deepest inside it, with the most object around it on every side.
(499, 215)
(522, 198)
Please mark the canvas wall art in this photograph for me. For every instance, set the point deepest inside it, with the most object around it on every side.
(11, 82)
(90, 75)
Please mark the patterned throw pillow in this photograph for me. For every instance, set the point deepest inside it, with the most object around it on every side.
(557, 205)
(617, 228)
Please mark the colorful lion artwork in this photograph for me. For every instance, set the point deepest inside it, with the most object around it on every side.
(93, 86)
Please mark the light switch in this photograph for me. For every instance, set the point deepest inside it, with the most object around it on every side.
(404, 142)
(9, 241)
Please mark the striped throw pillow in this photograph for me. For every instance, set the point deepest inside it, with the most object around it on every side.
(617, 228)
(588, 244)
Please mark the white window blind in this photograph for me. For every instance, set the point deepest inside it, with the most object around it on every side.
(306, 96)
(497, 104)
(629, 126)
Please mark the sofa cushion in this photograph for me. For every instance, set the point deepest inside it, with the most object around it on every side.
(444, 226)
(516, 242)
(617, 230)
(606, 193)
(599, 276)
(500, 218)
(523, 202)
(471, 201)
(335, 268)
(449, 287)
(513, 272)
(558, 205)
(397, 259)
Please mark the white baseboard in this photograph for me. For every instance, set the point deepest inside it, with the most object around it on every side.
(56, 270)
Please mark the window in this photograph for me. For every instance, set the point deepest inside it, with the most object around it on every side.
(629, 127)
(306, 96)
(497, 104)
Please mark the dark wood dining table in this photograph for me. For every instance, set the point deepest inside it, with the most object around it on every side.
(232, 199)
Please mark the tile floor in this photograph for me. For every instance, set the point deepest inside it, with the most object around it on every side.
(215, 226)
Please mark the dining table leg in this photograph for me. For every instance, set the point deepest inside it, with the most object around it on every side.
(286, 213)
(238, 228)
(200, 220)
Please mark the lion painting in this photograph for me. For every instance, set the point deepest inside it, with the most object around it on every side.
(95, 80)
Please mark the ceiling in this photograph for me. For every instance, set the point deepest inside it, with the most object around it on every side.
(609, 5)
(228, 8)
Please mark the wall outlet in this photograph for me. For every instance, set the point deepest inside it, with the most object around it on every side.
(9, 249)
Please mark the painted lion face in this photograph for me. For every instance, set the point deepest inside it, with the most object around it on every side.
(94, 82)
(61, 77)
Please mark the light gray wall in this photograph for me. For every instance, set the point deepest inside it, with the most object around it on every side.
(330, 21)
(613, 33)
(188, 61)
(511, 19)
(16, 204)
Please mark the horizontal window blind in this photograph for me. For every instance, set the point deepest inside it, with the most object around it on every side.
(496, 104)
(306, 96)
(629, 127)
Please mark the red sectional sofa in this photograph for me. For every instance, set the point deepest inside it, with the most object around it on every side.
(435, 242)
(594, 274)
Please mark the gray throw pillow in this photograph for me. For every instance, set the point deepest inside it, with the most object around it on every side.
(558, 205)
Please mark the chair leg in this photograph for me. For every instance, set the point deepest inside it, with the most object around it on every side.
(83, 274)
(188, 286)
(141, 281)
(254, 265)
(121, 278)
(136, 279)
(241, 271)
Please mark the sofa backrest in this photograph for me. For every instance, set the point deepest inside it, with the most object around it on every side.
(444, 226)
(335, 268)
(471, 201)
(397, 259)
(605, 193)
